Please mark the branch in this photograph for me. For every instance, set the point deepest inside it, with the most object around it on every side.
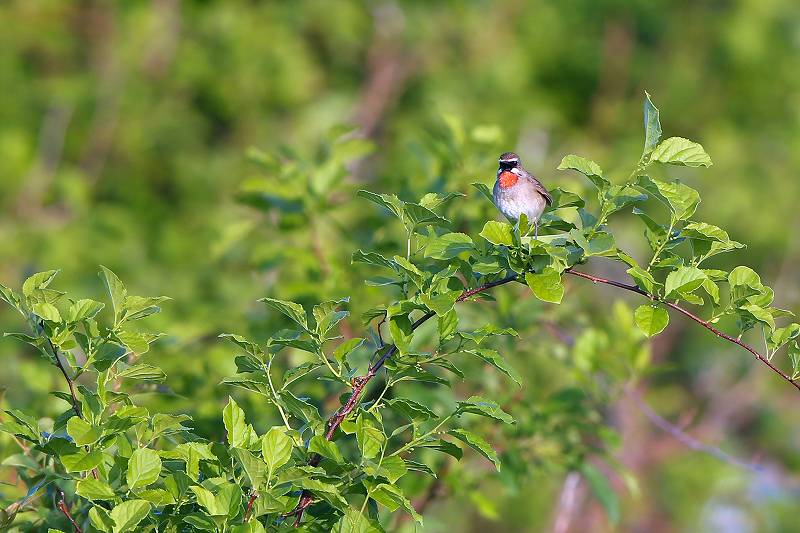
(76, 405)
(568, 502)
(250, 504)
(705, 323)
(686, 439)
(359, 383)
(62, 506)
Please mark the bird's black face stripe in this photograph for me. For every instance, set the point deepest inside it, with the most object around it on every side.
(509, 164)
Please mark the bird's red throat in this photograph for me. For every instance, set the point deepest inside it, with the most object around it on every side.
(507, 179)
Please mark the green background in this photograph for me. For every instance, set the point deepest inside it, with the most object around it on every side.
(191, 147)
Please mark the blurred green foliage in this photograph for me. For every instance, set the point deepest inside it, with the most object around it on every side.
(125, 136)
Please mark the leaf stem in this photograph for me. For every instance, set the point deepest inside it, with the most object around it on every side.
(275, 394)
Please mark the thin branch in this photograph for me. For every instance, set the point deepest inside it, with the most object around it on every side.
(62, 506)
(76, 405)
(250, 503)
(686, 439)
(705, 323)
(568, 502)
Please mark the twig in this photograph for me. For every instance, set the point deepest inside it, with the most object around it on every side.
(686, 439)
(76, 406)
(567, 503)
(250, 503)
(62, 506)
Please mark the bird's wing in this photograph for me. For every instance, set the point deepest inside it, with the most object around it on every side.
(537, 185)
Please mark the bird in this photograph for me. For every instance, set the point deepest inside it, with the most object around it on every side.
(517, 191)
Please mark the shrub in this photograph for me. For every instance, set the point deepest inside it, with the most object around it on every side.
(108, 464)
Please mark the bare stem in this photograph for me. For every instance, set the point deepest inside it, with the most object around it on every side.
(62, 506)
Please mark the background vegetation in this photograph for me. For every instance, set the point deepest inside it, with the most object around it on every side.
(197, 149)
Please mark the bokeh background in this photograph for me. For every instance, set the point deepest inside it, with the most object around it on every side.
(196, 148)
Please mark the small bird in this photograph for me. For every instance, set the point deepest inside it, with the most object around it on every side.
(517, 191)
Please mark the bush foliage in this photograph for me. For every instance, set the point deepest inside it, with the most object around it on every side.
(365, 420)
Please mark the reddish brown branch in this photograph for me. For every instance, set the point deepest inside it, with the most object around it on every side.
(62, 506)
(250, 504)
(705, 323)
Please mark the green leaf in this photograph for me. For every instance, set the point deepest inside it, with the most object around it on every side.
(587, 167)
(445, 447)
(10, 297)
(254, 467)
(481, 406)
(94, 489)
(496, 360)
(276, 448)
(652, 125)
(47, 311)
(644, 279)
(388, 201)
(401, 332)
(680, 151)
(433, 200)
(783, 335)
(346, 348)
(448, 246)
(651, 319)
(144, 467)
(101, 520)
(370, 439)
(760, 314)
(138, 307)
(708, 240)
(82, 432)
(116, 290)
(127, 515)
(411, 409)
(442, 303)
(158, 497)
(448, 324)
(354, 522)
(392, 468)
(484, 190)
(683, 281)
(393, 498)
(81, 461)
(238, 430)
(414, 215)
(372, 258)
(143, 372)
(602, 491)
(546, 285)
(498, 233)
(681, 199)
(205, 498)
(291, 309)
(794, 359)
(478, 444)
(301, 409)
(322, 446)
(83, 310)
(38, 281)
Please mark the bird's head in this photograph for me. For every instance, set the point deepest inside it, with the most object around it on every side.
(508, 161)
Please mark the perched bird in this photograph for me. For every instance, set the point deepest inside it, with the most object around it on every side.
(517, 191)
